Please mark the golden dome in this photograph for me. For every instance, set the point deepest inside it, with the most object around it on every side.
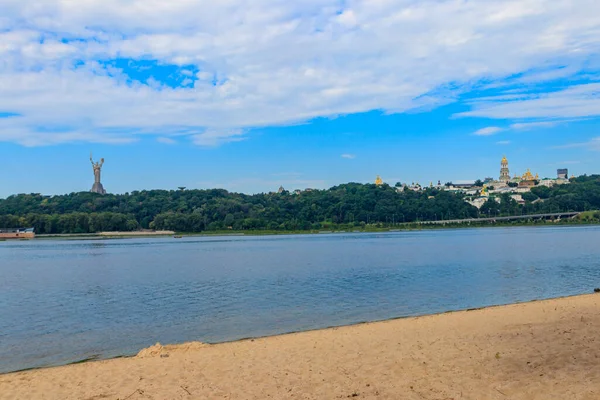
(378, 181)
(528, 176)
(504, 160)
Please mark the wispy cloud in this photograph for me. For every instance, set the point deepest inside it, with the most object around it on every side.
(349, 156)
(521, 126)
(490, 130)
(216, 137)
(575, 102)
(534, 125)
(16, 130)
(592, 144)
(544, 124)
(166, 140)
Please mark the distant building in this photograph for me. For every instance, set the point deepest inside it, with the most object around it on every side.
(504, 172)
(528, 180)
(463, 185)
(378, 181)
(562, 173)
(281, 190)
(526, 184)
(548, 182)
(400, 189)
(528, 176)
(17, 233)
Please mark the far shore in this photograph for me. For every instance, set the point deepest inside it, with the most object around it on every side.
(401, 228)
(538, 350)
(137, 233)
(105, 235)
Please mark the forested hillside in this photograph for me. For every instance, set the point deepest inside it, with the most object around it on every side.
(347, 205)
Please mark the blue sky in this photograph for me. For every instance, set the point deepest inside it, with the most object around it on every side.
(250, 97)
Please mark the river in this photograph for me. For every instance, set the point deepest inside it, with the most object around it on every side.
(66, 300)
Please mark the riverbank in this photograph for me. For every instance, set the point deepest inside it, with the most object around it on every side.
(539, 350)
(405, 227)
(107, 235)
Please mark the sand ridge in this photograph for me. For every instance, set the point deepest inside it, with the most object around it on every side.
(159, 350)
(539, 350)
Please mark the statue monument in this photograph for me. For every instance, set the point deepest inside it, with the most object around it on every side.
(97, 188)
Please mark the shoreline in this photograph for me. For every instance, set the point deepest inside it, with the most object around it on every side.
(97, 358)
(424, 227)
(468, 329)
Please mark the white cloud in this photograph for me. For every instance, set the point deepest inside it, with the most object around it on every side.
(215, 137)
(19, 130)
(592, 144)
(348, 156)
(543, 124)
(490, 130)
(522, 126)
(165, 140)
(503, 142)
(534, 125)
(274, 62)
(579, 101)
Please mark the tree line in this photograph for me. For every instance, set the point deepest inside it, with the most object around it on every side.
(343, 206)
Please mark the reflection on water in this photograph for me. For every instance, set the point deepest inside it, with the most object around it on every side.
(62, 301)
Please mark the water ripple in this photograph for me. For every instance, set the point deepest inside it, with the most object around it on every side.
(62, 301)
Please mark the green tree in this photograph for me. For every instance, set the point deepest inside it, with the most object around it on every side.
(229, 220)
(530, 196)
(342, 206)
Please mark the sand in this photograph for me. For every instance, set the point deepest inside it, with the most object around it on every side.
(538, 350)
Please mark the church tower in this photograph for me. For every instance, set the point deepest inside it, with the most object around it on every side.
(504, 174)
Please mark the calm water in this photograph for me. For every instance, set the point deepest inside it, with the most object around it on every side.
(62, 301)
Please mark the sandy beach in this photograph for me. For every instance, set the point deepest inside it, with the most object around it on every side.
(539, 350)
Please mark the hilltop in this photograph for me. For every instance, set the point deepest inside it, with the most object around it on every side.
(346, 206)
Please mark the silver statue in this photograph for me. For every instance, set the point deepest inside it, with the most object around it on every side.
(97, 166)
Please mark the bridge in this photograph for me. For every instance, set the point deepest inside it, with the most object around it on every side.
(498, 219)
